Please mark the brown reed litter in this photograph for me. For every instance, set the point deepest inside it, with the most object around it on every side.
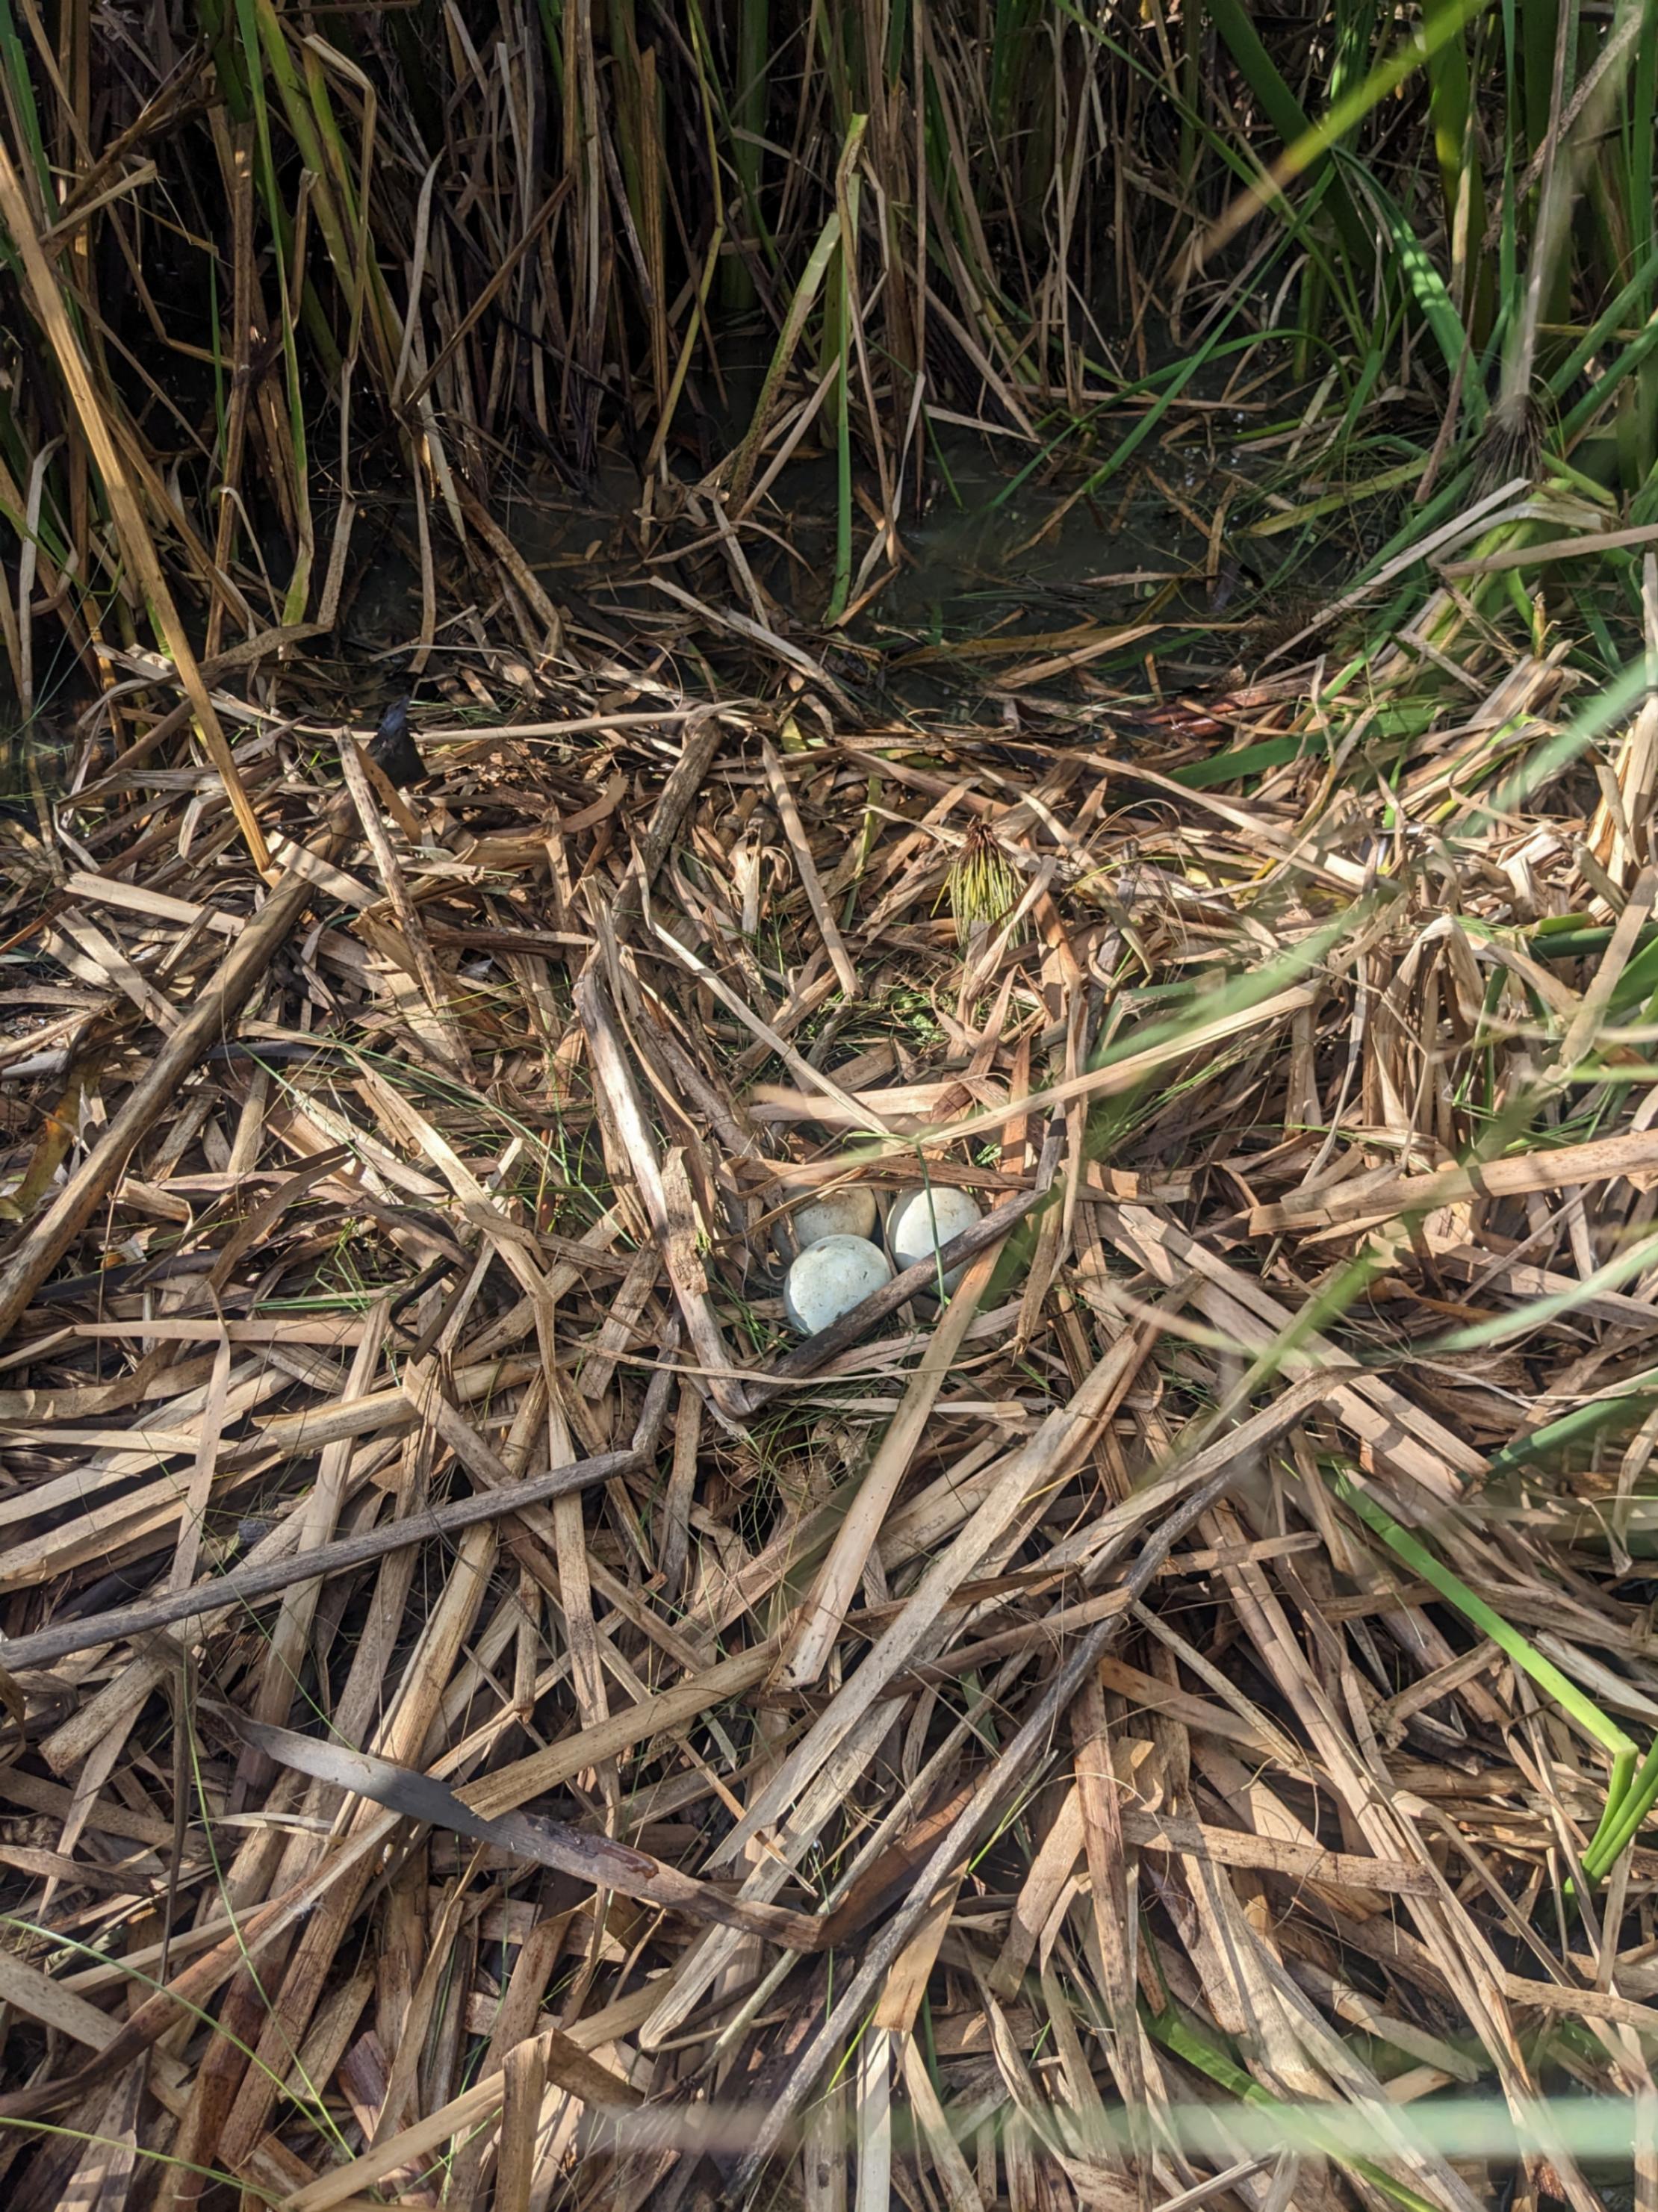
(494, 1721)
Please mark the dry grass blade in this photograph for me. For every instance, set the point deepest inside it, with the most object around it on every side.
(136, 543)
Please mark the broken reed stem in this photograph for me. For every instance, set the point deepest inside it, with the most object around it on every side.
(247, 1586)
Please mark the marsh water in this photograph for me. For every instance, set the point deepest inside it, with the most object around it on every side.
(1010, 563)
(1004, 561)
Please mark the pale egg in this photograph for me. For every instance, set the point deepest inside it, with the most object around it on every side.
(831, 1277)
(922, 1223)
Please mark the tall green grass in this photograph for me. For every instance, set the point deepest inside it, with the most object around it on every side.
(559, 229)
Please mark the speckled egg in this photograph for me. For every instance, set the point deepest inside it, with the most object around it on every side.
(829, 1278)
(837, 1214)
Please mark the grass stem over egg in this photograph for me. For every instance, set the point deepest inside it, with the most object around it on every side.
(924, 1223)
